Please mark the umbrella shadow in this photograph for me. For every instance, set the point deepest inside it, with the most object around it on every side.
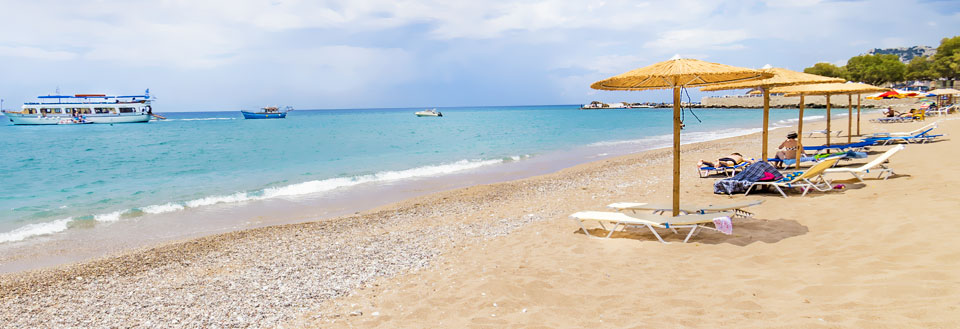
(746, 231)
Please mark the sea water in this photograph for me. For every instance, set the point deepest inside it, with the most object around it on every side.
(55, 178)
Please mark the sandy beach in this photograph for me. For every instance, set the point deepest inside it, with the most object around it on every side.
(880, 254)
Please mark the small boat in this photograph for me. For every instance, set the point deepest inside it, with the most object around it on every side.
(429, 113)
(269, 112)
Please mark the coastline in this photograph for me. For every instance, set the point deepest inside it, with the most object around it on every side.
(87, 239)
(333, 257)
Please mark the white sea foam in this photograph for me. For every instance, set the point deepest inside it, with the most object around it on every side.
(110, 217)
(37, 229)
(162, 208)
(324, 185)
(212, 200)
(315, 186)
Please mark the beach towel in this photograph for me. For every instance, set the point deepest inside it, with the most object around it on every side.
(741, 181)
(723, 224)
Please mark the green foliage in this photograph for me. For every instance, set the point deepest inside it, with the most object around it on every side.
(921, 68)
(827, 70)
(876, 69)
(947, 60)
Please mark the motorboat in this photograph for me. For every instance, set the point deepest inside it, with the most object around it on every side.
(429, 113)
(269, 112)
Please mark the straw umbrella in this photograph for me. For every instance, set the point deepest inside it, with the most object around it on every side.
(781, 78)
(946, 91)
(675, 74)
(828, 89)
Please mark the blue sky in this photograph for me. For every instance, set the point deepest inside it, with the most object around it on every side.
(224, 55)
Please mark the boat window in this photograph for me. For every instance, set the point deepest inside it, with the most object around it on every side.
(30, 111)
(85, 111)
(126, 110)
(103, 110)
(56, 110)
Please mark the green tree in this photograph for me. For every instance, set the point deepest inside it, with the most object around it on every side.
(827, 70)
(947, 60)
(876, 69)
(921, 68)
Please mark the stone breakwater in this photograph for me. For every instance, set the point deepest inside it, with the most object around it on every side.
(791, 102)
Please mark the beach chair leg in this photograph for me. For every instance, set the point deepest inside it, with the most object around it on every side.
(781, 191)
(584, 228)
(692, 231)
(614, 229)
(657, 234)
(857, 176)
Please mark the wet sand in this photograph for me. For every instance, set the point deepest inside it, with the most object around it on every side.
(506, 255)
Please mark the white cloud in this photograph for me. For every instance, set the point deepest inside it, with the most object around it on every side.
(36, 53)
(698, 39)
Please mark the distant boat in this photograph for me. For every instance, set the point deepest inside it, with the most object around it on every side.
(83, 108)
(269, 112)
(429, 113)
(643, 106)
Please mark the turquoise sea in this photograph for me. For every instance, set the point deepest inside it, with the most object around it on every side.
(55, 178)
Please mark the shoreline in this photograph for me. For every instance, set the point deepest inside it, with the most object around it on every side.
(335, 258)
(114, 238)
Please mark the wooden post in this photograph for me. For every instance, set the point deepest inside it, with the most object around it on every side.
(800, 133)
(849, 118)
(766, 120)
(676, 149)
(828, 120)
(858, 114)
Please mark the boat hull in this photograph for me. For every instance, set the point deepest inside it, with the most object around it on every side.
(251, 115)
(20, 119)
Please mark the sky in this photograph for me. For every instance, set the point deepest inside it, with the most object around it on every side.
(226, 55)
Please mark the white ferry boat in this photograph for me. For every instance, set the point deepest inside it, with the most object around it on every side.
(83, 108)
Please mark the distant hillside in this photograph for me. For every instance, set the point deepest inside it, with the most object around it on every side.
(905, 53)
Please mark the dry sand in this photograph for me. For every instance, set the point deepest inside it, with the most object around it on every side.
(880, 254)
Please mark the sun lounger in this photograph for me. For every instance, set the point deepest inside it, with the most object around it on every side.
(840, 147)
(790, 162)
(823, 132)
(920, 138)
(892, 119)
(872, 165)
(807, 180)
(908, 133)
(620, 220)
(726, 170)
(660, 208)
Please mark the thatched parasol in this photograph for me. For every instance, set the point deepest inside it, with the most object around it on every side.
(828, 89)
(781, 78)
(678, 73)
(946, 91)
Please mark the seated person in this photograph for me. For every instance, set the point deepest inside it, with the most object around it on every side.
(788, 149)
(727, 161)
(890, 112)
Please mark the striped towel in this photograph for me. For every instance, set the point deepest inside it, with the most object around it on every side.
(723, 224)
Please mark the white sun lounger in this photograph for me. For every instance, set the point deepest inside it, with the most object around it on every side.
(810, 179)
(872, 165)
(824, 131)
(620, 220)
(659, 208)
(907, 133)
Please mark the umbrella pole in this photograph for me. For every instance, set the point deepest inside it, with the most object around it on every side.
(676, 150)
(800, 133)
(858, 114)
(828, 120)
(766, 120)
(849, 118)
